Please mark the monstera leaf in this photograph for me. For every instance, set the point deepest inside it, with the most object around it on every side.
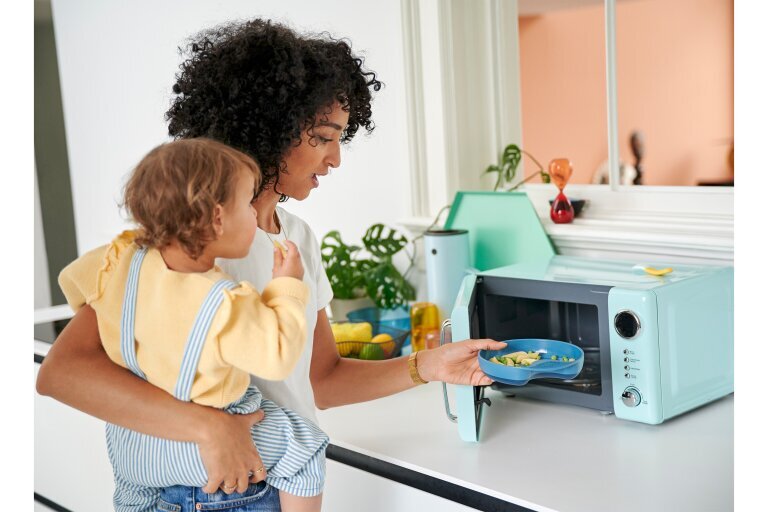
(383, 242)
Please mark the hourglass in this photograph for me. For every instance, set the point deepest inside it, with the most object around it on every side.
(560, 171)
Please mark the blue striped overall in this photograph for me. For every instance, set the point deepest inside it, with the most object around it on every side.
(291, 447)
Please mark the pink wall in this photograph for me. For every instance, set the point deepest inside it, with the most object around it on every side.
(675, 84)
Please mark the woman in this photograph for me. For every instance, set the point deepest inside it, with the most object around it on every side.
(289, 101)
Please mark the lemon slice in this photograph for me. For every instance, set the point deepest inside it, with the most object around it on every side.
(657, 271)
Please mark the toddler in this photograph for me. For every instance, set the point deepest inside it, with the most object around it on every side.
(170, 315)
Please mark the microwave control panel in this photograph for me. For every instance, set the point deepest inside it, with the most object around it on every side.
(635, 355)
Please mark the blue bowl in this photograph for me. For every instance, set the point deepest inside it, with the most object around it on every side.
(399, 318)
(544, 368)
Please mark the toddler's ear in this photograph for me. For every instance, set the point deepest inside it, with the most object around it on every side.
(218, 221)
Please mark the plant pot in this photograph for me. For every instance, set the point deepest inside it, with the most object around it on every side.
(340, 307)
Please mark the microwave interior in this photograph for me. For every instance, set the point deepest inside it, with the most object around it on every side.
(574, 313)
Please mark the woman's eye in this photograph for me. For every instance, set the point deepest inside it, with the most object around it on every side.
(324, 140)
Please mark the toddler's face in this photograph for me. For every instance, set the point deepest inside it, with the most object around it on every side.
(239, 218)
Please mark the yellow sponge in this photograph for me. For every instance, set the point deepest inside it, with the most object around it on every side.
(348, 331)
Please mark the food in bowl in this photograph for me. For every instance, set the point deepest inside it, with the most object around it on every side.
(522, 358)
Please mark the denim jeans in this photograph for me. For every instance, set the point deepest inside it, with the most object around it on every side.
(258, 497)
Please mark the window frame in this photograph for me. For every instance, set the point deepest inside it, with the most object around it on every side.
(442, 41)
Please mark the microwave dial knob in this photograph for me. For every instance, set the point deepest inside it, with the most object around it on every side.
(627, 324)
(631, 397)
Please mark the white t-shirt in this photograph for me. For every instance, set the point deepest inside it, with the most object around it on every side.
(295, 392)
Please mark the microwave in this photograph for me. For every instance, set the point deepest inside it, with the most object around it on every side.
(655, 346)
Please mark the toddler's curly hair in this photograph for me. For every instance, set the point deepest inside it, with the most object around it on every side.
(173, 191)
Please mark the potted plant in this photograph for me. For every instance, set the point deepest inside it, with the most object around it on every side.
(507, 168)
(367, 274)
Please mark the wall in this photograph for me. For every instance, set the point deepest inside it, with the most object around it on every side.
(56, 222)
(669, 56)
(117, 61)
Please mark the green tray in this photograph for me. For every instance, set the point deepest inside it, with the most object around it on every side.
(503, 228)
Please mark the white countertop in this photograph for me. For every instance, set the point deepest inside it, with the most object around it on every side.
(550, 456)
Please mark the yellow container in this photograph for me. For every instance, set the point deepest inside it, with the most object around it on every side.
(425, 325)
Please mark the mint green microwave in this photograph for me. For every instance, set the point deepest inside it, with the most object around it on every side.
(655, 346)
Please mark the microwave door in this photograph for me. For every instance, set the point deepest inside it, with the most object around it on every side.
(465, 325)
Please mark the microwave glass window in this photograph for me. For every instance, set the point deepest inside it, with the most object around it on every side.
(513, 317)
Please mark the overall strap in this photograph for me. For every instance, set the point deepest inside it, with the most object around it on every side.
(196, 339)
(127, 337)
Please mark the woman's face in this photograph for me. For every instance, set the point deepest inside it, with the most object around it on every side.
(313, 157)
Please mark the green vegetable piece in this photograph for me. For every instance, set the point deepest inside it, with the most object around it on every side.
(554, 358)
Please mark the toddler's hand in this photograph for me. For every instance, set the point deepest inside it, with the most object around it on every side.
(288, 262)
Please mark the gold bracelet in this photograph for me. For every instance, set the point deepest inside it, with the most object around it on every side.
(413, 369)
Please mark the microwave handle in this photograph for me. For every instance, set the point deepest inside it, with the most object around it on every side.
(446, 325)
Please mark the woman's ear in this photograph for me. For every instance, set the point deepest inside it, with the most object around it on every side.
(218, 220)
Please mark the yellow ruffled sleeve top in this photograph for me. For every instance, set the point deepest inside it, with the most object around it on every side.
(260, 334)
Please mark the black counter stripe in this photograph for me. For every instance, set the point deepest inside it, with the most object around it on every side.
(50, 504)
(432, 485)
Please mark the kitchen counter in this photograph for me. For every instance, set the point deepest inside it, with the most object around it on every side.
(546, 457)
(532, 455)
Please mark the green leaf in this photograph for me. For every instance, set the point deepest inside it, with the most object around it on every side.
(387, 287)
(342, 270)
(382, 241)
(510, 159)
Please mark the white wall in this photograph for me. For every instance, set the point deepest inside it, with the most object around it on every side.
(117, 62)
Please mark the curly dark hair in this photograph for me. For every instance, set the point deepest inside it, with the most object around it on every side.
(256, 85)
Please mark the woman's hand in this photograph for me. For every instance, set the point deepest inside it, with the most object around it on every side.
(228, 453)
(456, 363)
(287, 261)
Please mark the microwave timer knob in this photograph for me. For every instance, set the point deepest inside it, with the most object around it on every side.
(631, 397)
(627, 324)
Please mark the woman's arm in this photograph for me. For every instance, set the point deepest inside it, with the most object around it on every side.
(341, 381)
(78, 372)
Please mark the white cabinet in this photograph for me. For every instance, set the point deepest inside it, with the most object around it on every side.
(348, 489)
(71, 464)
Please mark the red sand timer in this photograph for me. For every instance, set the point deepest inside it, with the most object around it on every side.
(560, 171)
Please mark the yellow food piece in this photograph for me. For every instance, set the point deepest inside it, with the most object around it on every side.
(527, 361)
(280, 246)
(658, 271)
(517, 356)
(381, 338)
